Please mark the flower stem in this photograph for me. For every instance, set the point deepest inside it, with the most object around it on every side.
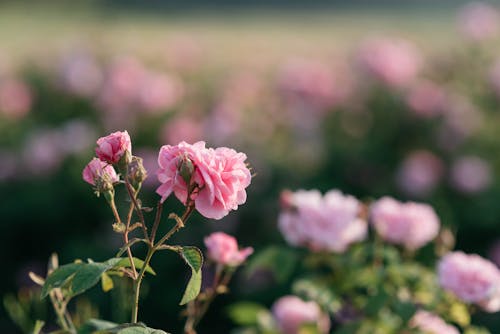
(125, 235)
(138, 282)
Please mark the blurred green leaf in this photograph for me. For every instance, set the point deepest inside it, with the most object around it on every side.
(59, 276)
(193, 287)
(311, 328)
(280, 261)
(376, 303)
(245, 313)
(349, 328)
(459, 314)
(138, 328)
(93, 325)
(405, 310)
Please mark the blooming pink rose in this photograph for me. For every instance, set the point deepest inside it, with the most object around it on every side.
(112, 147)
(96, 170)
(432, 324)
(330, 222)
(471, 278)
(409, 224)
(291, 312)
(220, 175)
(223, 248)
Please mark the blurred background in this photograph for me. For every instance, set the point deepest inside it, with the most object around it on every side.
(375, 98)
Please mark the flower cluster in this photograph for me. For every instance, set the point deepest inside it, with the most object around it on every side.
(411, 225)
(472, 279)
(323, 223)
(213, 179)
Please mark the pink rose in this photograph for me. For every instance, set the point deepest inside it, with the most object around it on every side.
(223, 248)
(16, 98)
(291, 312)
(97, 170)
(471, 278)
(471, 174)
(220, 176)
(431, 324)
(112, 147)
(330, 222)
(478, 21)
(420, 173)
(409, 224)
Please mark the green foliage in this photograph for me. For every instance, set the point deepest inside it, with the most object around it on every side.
(246, 313)
(280, 261)
(78, 277)
(193, 287)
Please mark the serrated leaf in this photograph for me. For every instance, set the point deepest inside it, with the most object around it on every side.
(106, 282)
(193, 287)
(279, 260)
(245, 313)
(58, 277)
(193, 257)
(125, 262)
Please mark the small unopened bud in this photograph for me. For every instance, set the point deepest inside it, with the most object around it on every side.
(186, 169)
(136, 172)
(119, 227)
(102, 176)
(124, 161)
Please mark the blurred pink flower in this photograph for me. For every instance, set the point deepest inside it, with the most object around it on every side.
(394, 62)
(121, 85)
(81, 75)
(42, 152)
(432, 324)
(419, 173)
(312, 83)
(183, 53)
(470, 174)
(323, 223)
(291, 312)
(478, 21)
(113, 147)
(409, 224)
(426, 99)
(220, 174)
(158, 92)
(16, 98)
(77, 136)
(180, 129)
(471, 278)
(223, 249)
(97, 170)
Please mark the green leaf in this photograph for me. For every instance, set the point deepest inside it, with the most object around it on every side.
(87, 276)
(310, 328)
(458, 313)
(405, 310)
(193, 257)
(349, 328)
(193, 287)
(125, 262)
(245, 313)
(59, 276)
(130, 329)
(280, 261)
(106, 282)
(93, 325)
(376, 303)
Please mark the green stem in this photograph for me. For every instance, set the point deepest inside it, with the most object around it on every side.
(133, 197)
(125, 234)
(138, 282)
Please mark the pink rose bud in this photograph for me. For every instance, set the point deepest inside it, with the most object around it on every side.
(136, 172)
(471, 278)
(409, 224)
(113, 147)
(322, 223)
(220, 177)
(100, 174)
(431, 324)
(291, 312)
(223, 248)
